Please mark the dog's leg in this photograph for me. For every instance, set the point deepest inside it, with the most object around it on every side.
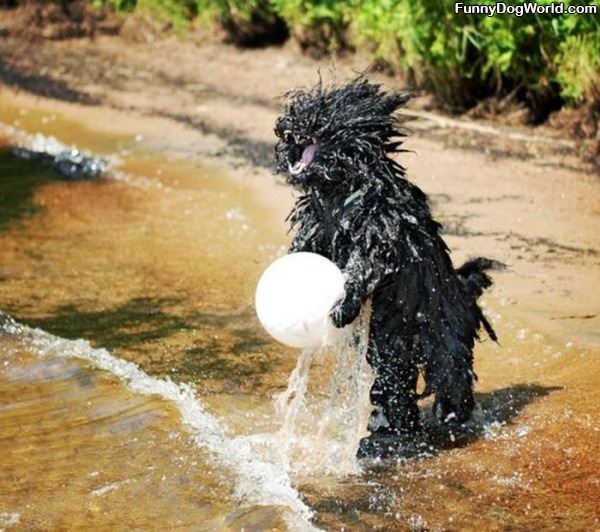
(449, 373)
(395, 423)
(449, 339)
(394, 388)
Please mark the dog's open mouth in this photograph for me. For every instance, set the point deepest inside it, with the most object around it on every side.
(308, 155)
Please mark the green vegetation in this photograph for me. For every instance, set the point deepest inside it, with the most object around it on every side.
(544, 61)
(578, 70)
(319, 25)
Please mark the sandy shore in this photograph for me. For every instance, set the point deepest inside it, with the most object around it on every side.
(535, 210)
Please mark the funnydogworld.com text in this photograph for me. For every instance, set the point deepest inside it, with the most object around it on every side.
(518, 10)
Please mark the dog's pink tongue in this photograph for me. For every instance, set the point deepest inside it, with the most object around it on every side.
(309, 154)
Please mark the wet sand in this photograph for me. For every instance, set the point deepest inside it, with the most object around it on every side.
(159, 263)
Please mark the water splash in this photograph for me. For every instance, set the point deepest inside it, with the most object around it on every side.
(258, 482)
(289, 403)
(320, 430)
(9, 519)
(71, 161)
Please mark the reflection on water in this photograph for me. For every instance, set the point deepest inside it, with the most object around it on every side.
(159, 267)
(159, 275)
(141, 321)
(18, 184)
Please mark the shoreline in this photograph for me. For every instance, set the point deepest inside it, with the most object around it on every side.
(550, 234)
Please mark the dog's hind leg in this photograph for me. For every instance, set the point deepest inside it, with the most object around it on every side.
(449, 374)
(449, 344)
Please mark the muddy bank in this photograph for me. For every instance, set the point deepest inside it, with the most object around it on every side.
(224, 90)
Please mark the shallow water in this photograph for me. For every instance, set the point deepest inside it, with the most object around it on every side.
(157, 264)
(79, 450)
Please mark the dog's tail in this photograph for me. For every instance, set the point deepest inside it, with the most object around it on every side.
(476, 280)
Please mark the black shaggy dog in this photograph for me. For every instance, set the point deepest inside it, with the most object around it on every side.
(357, 209)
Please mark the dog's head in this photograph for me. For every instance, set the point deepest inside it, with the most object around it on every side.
(333, 136)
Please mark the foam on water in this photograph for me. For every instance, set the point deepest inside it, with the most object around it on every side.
(320, 429)
(259, 482)
(8, 520)
(25, 143)
(34, 142)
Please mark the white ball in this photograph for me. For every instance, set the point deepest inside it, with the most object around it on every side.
(294, 297)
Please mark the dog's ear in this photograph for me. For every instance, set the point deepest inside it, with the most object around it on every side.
(392, 101)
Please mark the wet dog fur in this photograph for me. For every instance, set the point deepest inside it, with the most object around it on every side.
(356, 207)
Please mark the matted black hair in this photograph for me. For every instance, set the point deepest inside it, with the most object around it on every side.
(353, 126)
(356, 207)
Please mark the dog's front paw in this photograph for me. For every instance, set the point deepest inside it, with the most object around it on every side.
(345, 311)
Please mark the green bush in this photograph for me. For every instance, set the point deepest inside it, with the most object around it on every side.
(542, 60)
(550, 57)
(231, 9)
(319, 25)
(178, 12)
(578, 68)
(383, 26)
(463, 58)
